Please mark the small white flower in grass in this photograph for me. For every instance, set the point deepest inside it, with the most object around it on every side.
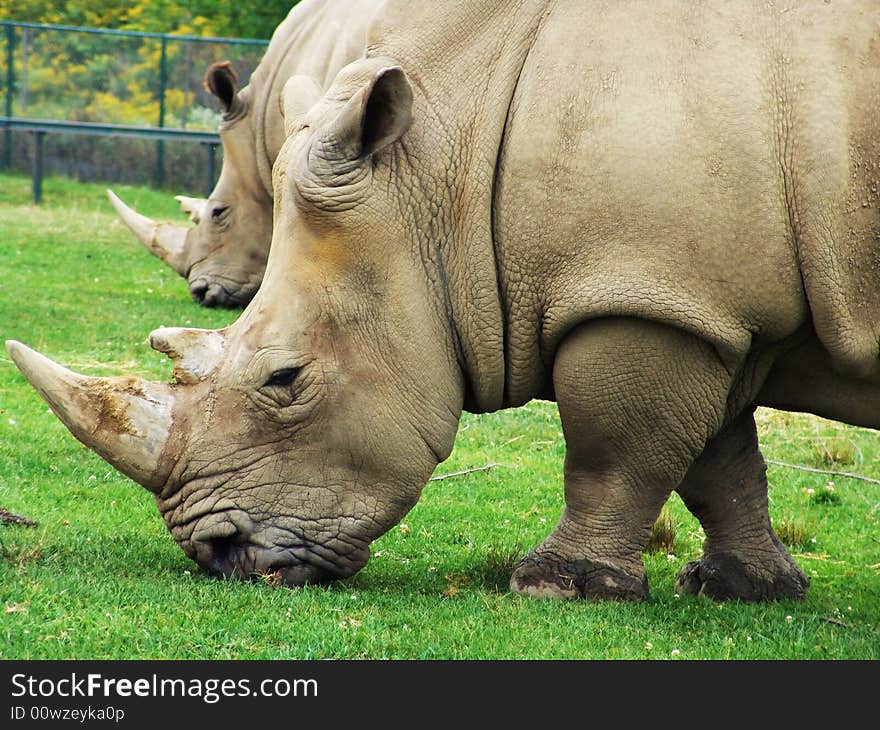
(676, 652)
(676, 595)
(748, 638)
(814, 572)
(648, 646)
(404, 528)
(91, 478)
(186, 572)
(27, 631)
(670, 557)
(543, 520)
(811, 491)
(12, 421)
(353, 596)
(789, 619)
(812, 539)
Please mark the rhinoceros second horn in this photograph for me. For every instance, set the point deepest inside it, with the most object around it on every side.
(125, 420)
(193, 207)
(165, 240)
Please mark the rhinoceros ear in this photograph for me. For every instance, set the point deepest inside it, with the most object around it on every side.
(300, 93)
(374, 117)
(222, 81)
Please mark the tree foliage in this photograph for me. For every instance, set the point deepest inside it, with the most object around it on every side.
(242, 19)
(89, 77)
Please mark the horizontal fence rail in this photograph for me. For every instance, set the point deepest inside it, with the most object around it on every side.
(137, 33)
(41, 127)
(36, 52)
(110, 130)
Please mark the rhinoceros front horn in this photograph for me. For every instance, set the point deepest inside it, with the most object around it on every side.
(125, 420)
(165, 240)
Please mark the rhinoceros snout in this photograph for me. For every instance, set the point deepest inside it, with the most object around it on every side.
(212, 294)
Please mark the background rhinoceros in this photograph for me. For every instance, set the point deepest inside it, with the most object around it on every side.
(661, 215)
(223, 257)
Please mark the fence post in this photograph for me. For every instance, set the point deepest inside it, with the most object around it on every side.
(10, 83)
(37, 183)
(212, 148)
(163, 81)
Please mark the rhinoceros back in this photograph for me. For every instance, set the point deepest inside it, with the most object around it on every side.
(707, 165)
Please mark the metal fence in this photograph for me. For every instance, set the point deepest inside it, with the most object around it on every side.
(119, 82)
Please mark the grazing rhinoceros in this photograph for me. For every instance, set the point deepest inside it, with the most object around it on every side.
(224, 255)
(661, 215)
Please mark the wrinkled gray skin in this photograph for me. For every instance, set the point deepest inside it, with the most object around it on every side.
(224, 255)
(661, 215)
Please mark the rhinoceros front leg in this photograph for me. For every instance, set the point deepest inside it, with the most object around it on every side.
(638, 401)
(726, 489)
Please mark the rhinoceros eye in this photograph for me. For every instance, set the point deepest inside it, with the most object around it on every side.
(218, 211)
(282, 378)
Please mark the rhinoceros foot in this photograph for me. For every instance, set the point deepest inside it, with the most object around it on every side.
(542, 576)
(730, 575)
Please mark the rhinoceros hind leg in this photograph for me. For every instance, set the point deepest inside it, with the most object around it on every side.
(726, 489)
(638, 400)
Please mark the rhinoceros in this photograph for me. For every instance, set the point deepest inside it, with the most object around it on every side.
(660, 215)
(223, 256)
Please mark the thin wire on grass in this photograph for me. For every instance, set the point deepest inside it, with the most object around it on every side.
(830, 472)
(438, 477)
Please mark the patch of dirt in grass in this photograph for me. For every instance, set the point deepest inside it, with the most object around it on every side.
(19, 554)
(10, 518)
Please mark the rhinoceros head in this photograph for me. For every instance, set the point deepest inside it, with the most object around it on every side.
(293, 438)
(224, 255)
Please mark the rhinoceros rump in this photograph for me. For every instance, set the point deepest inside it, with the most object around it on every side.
(661, 215)
(223, 255)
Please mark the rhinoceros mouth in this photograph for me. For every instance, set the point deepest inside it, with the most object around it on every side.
(249, 564)
(301, 563)
(227, 541)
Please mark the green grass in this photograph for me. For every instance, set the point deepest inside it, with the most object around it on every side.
(101, 577)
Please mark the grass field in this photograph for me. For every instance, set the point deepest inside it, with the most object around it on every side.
(100, 576)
